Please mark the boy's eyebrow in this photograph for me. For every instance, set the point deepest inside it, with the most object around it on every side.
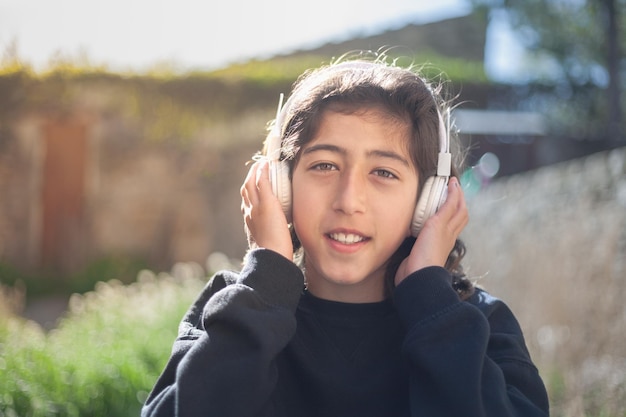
(337, 149)
(391, 155)
(324, 147)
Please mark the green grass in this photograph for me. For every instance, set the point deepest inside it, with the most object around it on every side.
(103, 358)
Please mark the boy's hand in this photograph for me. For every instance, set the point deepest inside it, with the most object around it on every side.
(437, 237)
(266, 225)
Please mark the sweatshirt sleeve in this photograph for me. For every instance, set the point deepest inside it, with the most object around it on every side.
(223, 361)
(467, 358)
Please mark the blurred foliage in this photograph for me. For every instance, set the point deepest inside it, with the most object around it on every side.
(168, 105)
(120, 267)
(568, 64)
(278, 70)
(108, 350)
(105, 355)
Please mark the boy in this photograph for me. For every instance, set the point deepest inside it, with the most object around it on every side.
(351, 300)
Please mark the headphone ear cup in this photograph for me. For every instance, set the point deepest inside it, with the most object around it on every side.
(432, 197)
(281, 186)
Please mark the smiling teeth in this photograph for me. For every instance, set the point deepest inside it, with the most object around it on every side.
(346, 238)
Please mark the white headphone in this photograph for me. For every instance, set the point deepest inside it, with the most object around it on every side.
(434, 191)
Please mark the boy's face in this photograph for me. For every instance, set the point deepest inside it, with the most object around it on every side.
(354, 194)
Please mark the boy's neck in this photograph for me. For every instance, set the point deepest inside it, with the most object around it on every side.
(363, 292)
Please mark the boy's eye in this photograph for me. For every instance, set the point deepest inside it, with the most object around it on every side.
(324, 166)
(384, 173)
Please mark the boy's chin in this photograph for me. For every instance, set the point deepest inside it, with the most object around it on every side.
(347, 286)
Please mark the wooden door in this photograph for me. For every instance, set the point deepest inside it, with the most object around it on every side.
(63, 194)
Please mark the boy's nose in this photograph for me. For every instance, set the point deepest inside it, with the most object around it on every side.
(350, 194)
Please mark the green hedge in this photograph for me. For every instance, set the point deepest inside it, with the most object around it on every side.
(105, 355)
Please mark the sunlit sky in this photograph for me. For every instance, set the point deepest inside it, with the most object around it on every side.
(202, 34)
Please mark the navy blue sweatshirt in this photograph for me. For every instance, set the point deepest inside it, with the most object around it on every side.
(255, 344)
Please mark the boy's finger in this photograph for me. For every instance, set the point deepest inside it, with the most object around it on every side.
(262, 174)
(453, 213)
(459, 217)
(248, 189)
(447, 209)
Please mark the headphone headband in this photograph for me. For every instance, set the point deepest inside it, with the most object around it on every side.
(274, 138)
(444, 161)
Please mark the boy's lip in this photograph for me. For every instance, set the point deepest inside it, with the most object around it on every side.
(346, 239)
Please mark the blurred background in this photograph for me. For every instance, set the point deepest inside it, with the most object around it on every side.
(124, 132)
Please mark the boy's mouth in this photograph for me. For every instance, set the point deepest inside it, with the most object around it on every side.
(347, 238)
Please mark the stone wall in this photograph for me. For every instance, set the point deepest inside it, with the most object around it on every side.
(159, 202)
(552, 244)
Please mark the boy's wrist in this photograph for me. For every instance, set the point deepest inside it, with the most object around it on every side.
(275, 277)
(423, 293)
